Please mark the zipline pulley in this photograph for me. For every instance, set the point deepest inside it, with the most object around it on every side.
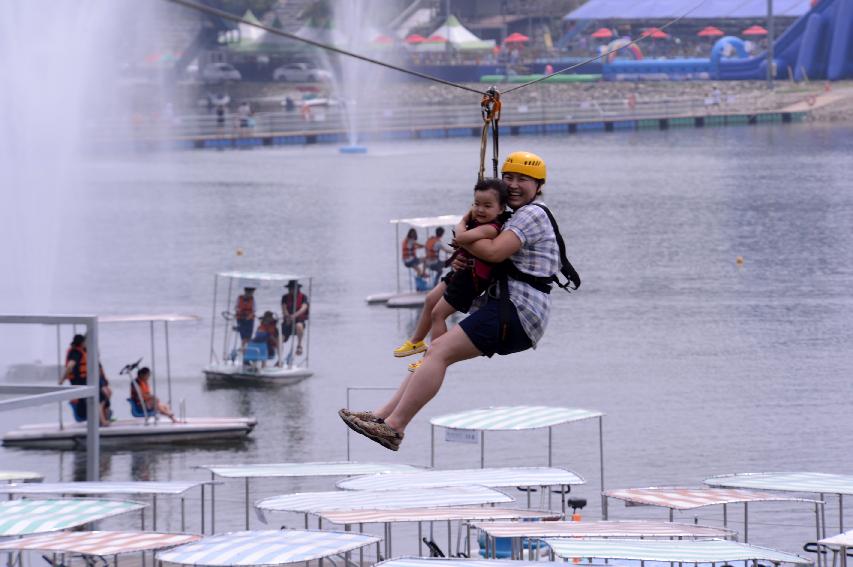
(490, 106)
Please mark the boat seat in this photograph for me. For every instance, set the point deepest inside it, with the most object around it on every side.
(78, 410)
(256, 351)
(136, 409)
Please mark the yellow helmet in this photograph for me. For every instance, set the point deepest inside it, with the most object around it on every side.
(525, 163)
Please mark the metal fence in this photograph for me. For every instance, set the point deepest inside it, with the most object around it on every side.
(335, 117)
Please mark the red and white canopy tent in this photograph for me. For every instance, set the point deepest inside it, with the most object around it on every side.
(711, 31)
(679, 498)
(755, 31)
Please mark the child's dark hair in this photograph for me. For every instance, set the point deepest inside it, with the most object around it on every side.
(497, 185)
(412, 234)
(501, 189)
(144, 371)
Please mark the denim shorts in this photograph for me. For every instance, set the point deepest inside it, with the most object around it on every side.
(483, 329)
(245, 328)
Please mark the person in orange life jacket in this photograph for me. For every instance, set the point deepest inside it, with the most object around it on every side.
(294, 313)
(245, 314)
(268, 332)
(434, 247)
(148, 400)
(76, 372)
(458, 289)
(498, 326)
(409, 252)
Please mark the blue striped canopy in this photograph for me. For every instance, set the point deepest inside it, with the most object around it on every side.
(441, 562)
(670, 9)
(512, 418)
(274, 547)
(25, 517)
(820, 483)
(688, 550)
(491, 477)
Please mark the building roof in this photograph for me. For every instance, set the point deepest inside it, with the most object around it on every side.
(668, 9)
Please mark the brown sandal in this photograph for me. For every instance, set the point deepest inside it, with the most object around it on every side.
(348, 418)
(379, 432)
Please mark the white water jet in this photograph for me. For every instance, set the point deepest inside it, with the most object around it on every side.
(63, 100)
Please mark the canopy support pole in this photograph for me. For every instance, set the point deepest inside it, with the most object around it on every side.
(213, 321)
(601, 464)
(432, 446)
(247, 503)
(482, 449)
(168, 362)
(212, 505)
(746, 522)
(61, 370)
(153, 370)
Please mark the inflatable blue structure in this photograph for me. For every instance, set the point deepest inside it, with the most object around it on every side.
(819, 45)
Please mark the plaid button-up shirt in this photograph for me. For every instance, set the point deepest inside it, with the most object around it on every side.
(539, 256)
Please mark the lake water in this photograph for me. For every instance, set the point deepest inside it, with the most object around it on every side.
(702, 366)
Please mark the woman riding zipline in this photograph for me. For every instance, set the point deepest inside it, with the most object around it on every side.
(511, 317)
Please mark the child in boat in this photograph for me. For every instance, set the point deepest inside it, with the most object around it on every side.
(409, 252)
(458, 289)
(143, 388)
(268, 333)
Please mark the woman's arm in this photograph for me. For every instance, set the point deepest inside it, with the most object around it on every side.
(497, 249)
(470, 236)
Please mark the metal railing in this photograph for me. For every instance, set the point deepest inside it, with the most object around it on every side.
(318, 120)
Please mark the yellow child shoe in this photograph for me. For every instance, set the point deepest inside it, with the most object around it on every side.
(415, 365)
(409, 348)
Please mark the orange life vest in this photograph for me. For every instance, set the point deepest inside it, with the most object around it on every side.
(144, 389)
(287, 303)
(431, 252)
(245, 307)
(80, 369)
(408, 249)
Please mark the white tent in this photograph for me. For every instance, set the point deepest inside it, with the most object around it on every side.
(457, 36)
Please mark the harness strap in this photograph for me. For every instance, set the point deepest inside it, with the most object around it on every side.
(566, 267)
(490, 107)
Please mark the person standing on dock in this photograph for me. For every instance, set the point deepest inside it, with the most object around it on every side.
(77, 371)
(294, 313)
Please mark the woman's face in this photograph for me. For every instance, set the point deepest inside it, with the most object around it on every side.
(522, 189)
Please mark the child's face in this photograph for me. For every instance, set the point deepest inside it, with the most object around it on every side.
(486, 208)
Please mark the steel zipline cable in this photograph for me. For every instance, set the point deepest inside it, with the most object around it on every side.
(231, 17)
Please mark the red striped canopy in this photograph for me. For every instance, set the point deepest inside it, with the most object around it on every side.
(602, 33)
(754, 30)
(711, 31)
(415, 38)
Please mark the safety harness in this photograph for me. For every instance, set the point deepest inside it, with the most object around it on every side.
(506, 270)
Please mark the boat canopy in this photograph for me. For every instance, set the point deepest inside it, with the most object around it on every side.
(491, 477)
(317, 502)
(270, 470)
(20, 476)
(621, 528)
(96, 488)
(841, 540)
(26, 517)
(690, 498)
(270, 547)
(820, 483)
(430, 222)
(261, 276)
(98, 543)
(486, 515)
(513, 418)
(147, 318)
(687, 550)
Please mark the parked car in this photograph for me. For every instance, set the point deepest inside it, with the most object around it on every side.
(220, 72)
(300, 73)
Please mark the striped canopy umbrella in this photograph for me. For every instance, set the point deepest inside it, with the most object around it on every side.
(306, 469)
(97, 488)
(688, 551)
(491, 477)
(317, 502)
(436, 39)
(274, 547)
(484, 514)
(25, 517)
(690, 498)
(415, 39)
(655, 33)
(98, 543)
(601, 33)
(623, 528)
(513, 418)
(516, 38)
(817, 483)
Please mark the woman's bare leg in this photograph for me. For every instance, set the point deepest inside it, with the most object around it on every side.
(424, 321)
(389, 406)
(425, 382)
(439, 315)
